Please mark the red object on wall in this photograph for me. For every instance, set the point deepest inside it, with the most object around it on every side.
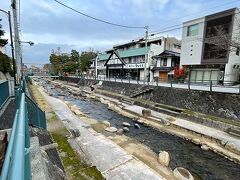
(176, 72)
(179, 72)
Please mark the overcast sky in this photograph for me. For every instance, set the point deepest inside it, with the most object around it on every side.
(50, 25)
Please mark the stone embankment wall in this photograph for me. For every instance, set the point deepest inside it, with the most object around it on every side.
(218, 104)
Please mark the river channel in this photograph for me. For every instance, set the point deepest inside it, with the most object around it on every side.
(202, 164)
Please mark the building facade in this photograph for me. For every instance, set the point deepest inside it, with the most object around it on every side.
(128, 60)
(206, 47)
(164, 66)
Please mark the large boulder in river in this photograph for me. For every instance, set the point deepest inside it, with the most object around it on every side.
(119, 131)
(204, 147)
(126, 124)
(106, 123)
(77, 112)
(125, 129)
(139, 121)
(136, 125)
(74, 107)
(111, 129)
(146, 112)
(182, 174)
(164, 158)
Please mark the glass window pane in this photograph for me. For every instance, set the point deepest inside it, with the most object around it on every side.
(193, 30)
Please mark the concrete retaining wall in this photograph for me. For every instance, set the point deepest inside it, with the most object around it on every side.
(217, 104)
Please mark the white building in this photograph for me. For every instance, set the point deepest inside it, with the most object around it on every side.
(164, 63)
(3, 49)
(127, 60)
(206, 60)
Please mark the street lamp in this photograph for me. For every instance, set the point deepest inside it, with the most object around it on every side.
(31, 44)
(28, 42)
(11, 39)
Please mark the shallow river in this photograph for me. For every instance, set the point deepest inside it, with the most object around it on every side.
(202, 164)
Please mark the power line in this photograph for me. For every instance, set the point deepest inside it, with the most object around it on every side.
(220, 5)
(173, 29)
(100, 20)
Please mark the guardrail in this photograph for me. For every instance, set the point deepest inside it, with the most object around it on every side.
(208, 85)
(17, 158)
(17, 161)
(4, 93)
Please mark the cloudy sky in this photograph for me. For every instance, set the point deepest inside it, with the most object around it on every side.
(49, 25)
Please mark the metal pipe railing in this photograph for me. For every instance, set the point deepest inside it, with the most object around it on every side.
(17, 166)
(17, 161)
(7, 160)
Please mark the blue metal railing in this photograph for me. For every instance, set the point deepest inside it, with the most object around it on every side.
(16, 164)
(4, 93)
(17, 161)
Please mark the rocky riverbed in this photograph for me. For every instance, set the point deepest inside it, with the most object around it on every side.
(203, 164)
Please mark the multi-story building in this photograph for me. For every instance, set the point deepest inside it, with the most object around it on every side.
(165, 62)
(206, 47)
(128, 60)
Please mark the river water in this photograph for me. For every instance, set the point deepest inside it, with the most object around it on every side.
(202, 164)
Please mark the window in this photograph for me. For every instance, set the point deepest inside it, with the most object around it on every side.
(130, 60)
(163, 62)
(192, 30)
(177, 46)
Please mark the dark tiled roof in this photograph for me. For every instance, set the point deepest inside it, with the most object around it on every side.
(167, 53)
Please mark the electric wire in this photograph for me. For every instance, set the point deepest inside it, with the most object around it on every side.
(204, 10)
(100, 20)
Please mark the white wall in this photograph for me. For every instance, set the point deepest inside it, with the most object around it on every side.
(169, 62)
(232, 74)
(154, 50)
(191, 48)
(2, 49)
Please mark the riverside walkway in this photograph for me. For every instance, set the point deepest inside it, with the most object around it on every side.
(109, 158)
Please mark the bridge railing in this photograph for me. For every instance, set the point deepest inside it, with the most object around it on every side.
(17, 160)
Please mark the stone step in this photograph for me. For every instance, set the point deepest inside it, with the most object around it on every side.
(127, 101)
(234, 131)
(167, 111)
(141, 92)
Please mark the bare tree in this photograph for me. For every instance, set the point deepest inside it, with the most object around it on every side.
(221, 41)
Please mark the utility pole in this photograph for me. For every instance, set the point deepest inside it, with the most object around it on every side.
(12, 47)
(146, 56)
(96, 74)
(17, 42)
(11, 41)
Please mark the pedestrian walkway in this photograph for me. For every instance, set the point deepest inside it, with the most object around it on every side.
(192, 86)
(114, 162)
(191, 126)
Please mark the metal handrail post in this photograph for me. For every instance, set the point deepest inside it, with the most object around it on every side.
(210, 86)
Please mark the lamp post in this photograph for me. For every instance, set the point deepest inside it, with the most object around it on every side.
(31, 44)
(28, 42)
(11, 41)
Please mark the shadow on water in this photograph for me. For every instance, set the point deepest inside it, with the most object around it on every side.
(202, 164)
